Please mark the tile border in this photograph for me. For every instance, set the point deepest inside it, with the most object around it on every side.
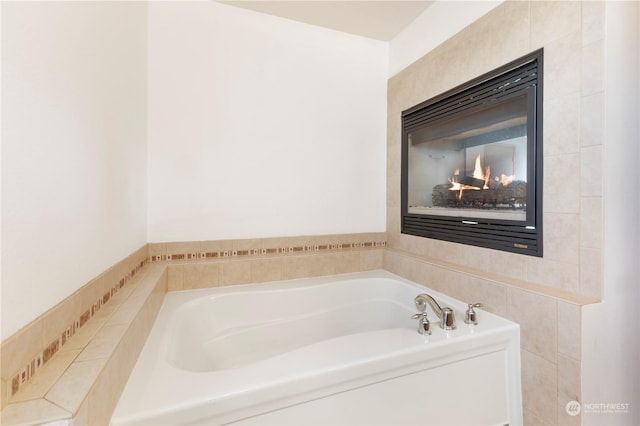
(261, 252)
(24, 375)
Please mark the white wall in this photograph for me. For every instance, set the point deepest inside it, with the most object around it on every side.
(261, 126)
(436, 24)
(610, 339)
(73, 148)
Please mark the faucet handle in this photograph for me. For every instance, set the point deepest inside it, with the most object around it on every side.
(424, 327)
(470, 317)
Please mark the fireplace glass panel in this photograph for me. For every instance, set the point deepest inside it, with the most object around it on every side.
(472, 166)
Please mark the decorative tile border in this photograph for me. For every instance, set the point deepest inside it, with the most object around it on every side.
(26, 373)
(194, 256)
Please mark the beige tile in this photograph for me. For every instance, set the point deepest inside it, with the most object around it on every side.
(91, 292)
(107, 389)
(157, 249)
(81, 418)
(510, 32)
(568, 389)
(104, 343)
(307, 266)
(235, 272)
(562, 64)
(560, 275)
(371, 259)
(183, 248)
(346, 262)
(562, 183)
(73, 386)
(492, 296)
(201, 275)
(85, 334)
(37, 411)
(46, 376)
(19, 349)
(562, 124)
(569, 330)
(592, 21)
(267, 243)
(4, 393)
(530, 419)
(592, 121)
(247, 244)
(562, 237)
(591, 272)
(264, 270)
(539, 387)
(127, 311)
(553, 20)
(61, 316)
(537, 316)
(175, 277)
(507, 264)
(593, 68)
(591, 171)
(216, 246)
(591, 222)
(456, 285)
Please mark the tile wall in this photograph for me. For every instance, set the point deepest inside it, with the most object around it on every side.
(543, 294)
(30, 350)
(92, 339)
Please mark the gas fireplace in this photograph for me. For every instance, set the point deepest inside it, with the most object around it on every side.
(472, 161)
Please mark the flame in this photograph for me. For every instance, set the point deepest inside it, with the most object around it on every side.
(478, 173)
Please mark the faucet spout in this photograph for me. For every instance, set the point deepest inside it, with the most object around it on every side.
(447, 319)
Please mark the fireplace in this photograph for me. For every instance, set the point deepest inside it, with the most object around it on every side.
(472, 161)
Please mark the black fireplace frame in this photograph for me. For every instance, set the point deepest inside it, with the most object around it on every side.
(523, 75)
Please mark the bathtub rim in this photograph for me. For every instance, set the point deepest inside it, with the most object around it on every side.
(505, 337)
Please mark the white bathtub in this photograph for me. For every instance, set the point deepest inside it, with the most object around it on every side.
(330, 350)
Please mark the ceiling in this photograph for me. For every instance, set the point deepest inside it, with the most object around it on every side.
(380, 20)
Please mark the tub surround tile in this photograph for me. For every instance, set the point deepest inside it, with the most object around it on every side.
(592, 123)
(235, 273)
(537, 316)
(74, 380)
(591, 171)
(37, 411)
(569, 389)
(47, 376)
(539, 386)
(264, 270)
(569, 330)
(213, 250)
(591, 272)
(19, 349)
(201, 275)
(175, 277)
(552, 20)
(71, 389)
(103, 344)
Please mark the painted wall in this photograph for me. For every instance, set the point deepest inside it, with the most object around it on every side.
(261, 127)
(436, 24)
(611, 344)
(73, 148)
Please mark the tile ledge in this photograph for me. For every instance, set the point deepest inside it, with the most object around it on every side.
(562, 295)
(35, 411)
(41, 410)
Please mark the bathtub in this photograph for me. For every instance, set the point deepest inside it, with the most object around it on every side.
(331, 350)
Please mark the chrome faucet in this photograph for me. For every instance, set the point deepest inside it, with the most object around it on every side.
(447, 319)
